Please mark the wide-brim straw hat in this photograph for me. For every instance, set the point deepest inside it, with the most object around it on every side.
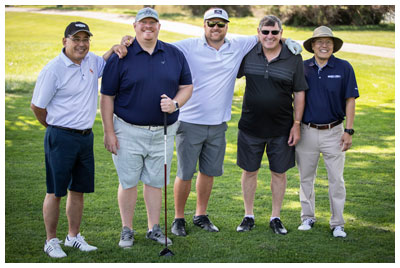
(323, 31)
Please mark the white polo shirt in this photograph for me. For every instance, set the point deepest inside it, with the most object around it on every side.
(214, 75)
(69, 91)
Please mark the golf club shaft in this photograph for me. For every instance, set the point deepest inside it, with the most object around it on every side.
(165, 177)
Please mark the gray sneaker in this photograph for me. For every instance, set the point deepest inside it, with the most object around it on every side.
(157, 235)
(127, 238)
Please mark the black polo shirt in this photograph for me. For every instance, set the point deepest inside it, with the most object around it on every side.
(267, 109)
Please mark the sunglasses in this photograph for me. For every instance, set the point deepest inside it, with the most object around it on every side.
(220, 24)
(274, 32)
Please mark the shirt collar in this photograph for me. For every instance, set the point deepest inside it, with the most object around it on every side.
(67, 61)
(204, 40)
(284, 54)
(138, 49)
(330, 63)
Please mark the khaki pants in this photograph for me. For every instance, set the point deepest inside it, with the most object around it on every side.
(313, 142)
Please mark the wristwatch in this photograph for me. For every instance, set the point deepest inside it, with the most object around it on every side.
(176, 105)
(350, 131)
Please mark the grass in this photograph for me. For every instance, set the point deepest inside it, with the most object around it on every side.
(369, 175)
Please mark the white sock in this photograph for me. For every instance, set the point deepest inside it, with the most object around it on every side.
(272, 218)
(249, 216)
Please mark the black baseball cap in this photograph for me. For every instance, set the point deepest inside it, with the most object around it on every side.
(75, 27)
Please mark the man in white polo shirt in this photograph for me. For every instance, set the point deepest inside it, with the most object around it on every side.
(65, 102)
(214, 61)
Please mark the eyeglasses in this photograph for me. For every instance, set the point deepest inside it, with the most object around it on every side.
(78, 40)
(220, 24)
(322, 42)
(273, 32)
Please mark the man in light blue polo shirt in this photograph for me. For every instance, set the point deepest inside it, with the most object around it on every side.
(65, 102)
(214, 61)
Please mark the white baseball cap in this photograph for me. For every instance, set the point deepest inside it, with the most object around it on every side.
(216, 13)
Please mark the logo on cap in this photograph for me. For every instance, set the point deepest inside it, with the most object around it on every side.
(218, 11)
(80, 25)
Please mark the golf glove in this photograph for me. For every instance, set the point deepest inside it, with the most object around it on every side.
(293, 46)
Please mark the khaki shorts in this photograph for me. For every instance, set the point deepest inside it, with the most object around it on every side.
(141, 154)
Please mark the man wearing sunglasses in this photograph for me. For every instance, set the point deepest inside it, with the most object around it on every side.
(274, 82)
(214, 61)
(65, 102)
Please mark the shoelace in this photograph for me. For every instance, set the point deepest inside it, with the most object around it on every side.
(126, 235)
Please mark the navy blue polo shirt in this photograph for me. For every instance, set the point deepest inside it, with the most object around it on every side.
(139, 79)
(329, 88)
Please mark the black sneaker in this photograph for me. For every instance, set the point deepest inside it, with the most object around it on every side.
(277, 226)
(204, 222)
(178, 227)
(246, 225)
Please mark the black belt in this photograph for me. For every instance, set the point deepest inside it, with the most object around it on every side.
(326, 126)
(82, 132)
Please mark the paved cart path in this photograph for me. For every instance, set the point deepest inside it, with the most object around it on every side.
(191, 30)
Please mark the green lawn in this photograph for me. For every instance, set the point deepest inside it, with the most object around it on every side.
(369, 174)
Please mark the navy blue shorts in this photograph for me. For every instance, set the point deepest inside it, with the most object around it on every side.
(250, 150)
(69, 161)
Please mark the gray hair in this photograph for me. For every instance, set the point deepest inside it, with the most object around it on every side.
(270, 20)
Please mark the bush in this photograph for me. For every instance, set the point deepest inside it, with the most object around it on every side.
(315, 15)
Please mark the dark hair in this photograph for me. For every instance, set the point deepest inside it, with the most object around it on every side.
(270, 20)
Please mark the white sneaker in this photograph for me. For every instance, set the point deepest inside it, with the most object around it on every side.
(339, 232)
(53, 248)
(306, 225)
(78, 242)
(127, 238)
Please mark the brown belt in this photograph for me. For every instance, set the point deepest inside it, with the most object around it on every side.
(327, 126)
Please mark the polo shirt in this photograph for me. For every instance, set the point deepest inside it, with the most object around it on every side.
(267, 109)
(330, 86)
(69, 91)
(214, 75)
(139, 79)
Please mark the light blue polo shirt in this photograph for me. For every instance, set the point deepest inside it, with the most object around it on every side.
(214, 75)
(69, 91)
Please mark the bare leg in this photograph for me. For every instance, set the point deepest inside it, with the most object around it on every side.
(249, 186)
(74, 212)
(127, 203)
(181, 194)
(278, 188)
(51, 213)
(152, 197)
(204, 186)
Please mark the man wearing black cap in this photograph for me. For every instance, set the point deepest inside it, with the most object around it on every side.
(65, 102)
(329, 100)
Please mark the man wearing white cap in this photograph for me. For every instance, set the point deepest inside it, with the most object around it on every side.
(329, 100)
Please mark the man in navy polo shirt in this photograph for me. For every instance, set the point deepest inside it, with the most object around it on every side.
(154, 78)
(329, 100)
(65, 102)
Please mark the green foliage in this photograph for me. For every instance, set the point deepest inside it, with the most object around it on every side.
(233, 11)
(369, 175)
(315, 15)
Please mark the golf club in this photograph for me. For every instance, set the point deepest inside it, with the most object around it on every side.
(166, 252)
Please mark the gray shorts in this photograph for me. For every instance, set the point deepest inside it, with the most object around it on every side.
(203, 143)
(250, 150)
(141, 154)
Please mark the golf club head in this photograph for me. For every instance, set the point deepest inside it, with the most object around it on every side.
(166, 252)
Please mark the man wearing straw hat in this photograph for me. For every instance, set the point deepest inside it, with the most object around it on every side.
(329, 100)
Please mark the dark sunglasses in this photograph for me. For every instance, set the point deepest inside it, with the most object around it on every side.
(220, 24)
(274, 32)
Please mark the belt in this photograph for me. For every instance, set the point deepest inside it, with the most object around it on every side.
(151, 128)
(327, 126)
(82, 132)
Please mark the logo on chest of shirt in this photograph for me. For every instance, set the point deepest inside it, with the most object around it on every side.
(334, 76)
(91, 70)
